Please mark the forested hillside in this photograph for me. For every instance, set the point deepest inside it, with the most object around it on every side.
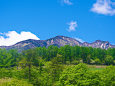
(54, 66)
(69, 55)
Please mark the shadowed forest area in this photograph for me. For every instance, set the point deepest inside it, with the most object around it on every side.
(58, 66)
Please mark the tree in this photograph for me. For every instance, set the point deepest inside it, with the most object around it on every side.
(74, 76)
(108, 60)
(31, 59)
(97, 61)
(55, 68)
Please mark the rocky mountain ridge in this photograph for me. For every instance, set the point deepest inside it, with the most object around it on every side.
(57, 41)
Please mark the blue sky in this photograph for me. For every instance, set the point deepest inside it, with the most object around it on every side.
(88, 20)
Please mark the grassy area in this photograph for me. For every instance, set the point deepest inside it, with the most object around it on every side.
(91, 67)
(96, 67)
(13, 82)
(4, 82)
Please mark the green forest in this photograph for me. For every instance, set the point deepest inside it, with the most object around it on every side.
(58, 66)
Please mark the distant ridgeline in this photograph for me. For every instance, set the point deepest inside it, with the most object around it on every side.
(57, 41)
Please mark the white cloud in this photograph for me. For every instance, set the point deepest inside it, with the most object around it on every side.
(68, 2)
(80, 40)
(72, 26)
(12, 37)
(104, 7)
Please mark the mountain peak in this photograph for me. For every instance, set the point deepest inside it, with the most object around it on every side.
(60, 36)
(101, 41)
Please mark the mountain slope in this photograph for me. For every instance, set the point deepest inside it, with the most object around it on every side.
(57, 41)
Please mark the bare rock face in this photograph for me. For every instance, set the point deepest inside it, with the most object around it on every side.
(62, 40)
(57, 41)
(99, 44)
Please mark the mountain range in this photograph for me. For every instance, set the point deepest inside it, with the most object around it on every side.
(57, 41)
